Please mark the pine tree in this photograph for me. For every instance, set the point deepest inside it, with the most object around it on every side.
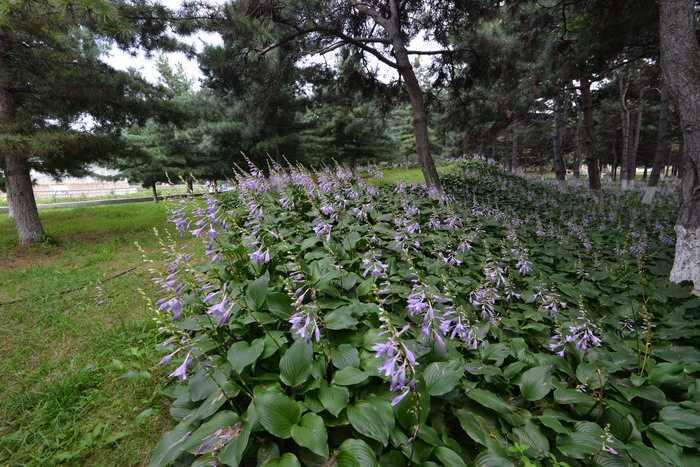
(53, 85)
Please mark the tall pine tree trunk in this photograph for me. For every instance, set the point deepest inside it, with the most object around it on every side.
(632, 162)
(155, 192)
(661, 136)
(680, 62)
(557, 138)
(415, 95)
(577, 151)
(592, 157)
(20, 193)
(514, 147)
(625, 119)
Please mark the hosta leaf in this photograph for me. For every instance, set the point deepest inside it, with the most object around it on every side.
(673, 435)
(341, 318)
(441, 377)
(232, 453)
(448, 457)
(349, 376)
(334, 398)
(489, 400)
(344, 356)
(311, 433)
(572, 396)
(287, 460)
(536, 383)
(368, 420)
(531, 435)
(222, 420)
(578, 445)
(241, 354)
(257, 292)
(277, 413)
(295, 365)
(169, 447)
(680, 418)
(280, 304)
(360, 451)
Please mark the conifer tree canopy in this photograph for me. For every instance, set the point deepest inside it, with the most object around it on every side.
(59, 103)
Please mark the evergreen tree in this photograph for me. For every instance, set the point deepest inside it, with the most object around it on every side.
(52, 82)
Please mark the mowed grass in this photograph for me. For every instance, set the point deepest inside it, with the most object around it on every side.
(74, 376)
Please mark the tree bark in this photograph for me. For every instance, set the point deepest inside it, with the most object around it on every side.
(625, 119)
(557, 137)
(661, 137)
(613, 171)
(20, 193)
(592, 157)
(21, 198)
(577, 152)
(415, 95)
(680, 62)
(632, 162)
(155, 192)
(514, 147)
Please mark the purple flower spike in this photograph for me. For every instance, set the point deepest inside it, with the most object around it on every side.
(181, 371)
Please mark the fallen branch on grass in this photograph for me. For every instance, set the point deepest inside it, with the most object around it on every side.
(73, 289)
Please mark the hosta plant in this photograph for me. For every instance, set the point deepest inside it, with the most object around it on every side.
(333, 323)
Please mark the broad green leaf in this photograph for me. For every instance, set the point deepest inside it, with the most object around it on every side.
(287, 460)
(448, 457)
(553, 424)
(232, 453)
(241, 354)
(429, 435)
(673, 435)
(442, 377)
(680, 418)
(362, 453)
(414, 408)
(277, 413)
(648, 392)
(257, 292)
(368, 420)
(334, 398)
(645, 455)
(345, 355)
(349, 376)
(531, 435)
(169, 447)
(588, 375)
(222, 420)
(295, 365)
(489, 400)
(311, 433)
(536, 383)
(473, 425)
(341, 318)
(280, 305)
(572, 396)
(578, 445)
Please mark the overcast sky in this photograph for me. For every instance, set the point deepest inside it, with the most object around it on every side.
(146, 67)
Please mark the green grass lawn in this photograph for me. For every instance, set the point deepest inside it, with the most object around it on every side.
(74, 376)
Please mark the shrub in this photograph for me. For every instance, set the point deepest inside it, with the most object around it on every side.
(335, 323)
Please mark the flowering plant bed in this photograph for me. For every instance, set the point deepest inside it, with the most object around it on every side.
(335, 323)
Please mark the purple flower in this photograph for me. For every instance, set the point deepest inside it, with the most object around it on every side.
(221, 310)
(260, 257)
(181, 371)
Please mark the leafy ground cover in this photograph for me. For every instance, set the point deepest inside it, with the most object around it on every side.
(338, 323)
(77, 380)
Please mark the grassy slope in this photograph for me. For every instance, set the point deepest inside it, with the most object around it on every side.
(61, 392)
